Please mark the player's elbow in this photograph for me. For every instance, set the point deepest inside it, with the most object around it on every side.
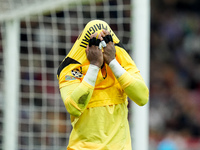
(74, 112)
(139, 93)
(143, 101)
(143, 98)
(71, 109)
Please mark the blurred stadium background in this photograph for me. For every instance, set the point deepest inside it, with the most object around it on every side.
(46, 32)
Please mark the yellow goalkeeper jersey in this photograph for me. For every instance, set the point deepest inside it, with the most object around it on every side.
(101, 128)
(99, 114)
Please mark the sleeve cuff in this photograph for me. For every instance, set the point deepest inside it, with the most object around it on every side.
(91, 75)
(116, 68)
(125, 80)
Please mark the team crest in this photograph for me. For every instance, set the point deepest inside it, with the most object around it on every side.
(76, 73)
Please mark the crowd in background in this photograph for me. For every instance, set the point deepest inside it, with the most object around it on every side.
(175, 75)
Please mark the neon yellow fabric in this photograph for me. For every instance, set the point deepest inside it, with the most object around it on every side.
(141, 93)
(101, 128)
(99, 119)
(76, 97)
(78, 50)
(110, 85)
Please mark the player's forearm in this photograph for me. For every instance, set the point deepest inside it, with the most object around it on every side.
(133, 86)
(78, 95)
(78, 99)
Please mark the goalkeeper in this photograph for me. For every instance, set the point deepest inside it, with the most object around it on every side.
(95, 79)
